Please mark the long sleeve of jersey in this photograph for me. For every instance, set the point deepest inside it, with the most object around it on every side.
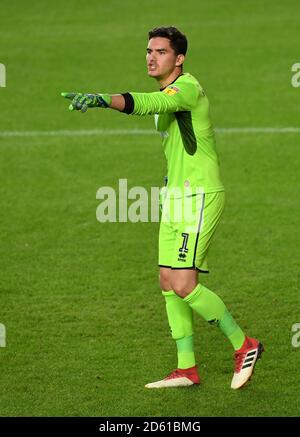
(181, 97)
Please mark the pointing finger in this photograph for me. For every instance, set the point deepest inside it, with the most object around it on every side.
(68, 95)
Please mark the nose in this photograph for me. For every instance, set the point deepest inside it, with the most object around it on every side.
(151, 57)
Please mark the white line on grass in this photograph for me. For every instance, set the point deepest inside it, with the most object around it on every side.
(77, 133)
(123, 132)
(258, 130)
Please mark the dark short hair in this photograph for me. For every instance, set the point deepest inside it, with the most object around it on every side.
(178, 40)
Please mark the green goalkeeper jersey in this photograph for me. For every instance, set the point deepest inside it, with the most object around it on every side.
(182, 117)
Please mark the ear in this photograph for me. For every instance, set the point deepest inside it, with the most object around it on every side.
(180, 60)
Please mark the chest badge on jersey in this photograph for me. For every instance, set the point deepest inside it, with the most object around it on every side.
(171, 90)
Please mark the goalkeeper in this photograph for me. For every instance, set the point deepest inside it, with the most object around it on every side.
(181, 111)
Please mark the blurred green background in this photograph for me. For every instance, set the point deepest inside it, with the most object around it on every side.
(85, 320)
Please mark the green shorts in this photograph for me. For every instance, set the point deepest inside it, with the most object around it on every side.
(186, 229)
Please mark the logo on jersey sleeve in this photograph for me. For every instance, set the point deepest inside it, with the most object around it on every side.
(171, 90)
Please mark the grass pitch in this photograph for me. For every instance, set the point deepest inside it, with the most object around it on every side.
(86, 324)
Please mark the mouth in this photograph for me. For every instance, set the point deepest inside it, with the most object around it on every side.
(151, 67)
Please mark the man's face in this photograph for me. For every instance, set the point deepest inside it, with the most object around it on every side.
(161, 58)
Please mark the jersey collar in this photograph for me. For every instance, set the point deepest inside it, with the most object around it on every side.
(161, 89)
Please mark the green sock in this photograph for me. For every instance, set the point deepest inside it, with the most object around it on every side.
(180, 317)
(185, 352)
(213, 310)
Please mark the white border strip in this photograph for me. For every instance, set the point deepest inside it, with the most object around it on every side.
(127, 132)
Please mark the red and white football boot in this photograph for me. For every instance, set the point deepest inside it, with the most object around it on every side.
(178, 378)
(245, 359)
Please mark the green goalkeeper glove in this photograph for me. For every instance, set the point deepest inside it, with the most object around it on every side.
(81, 102)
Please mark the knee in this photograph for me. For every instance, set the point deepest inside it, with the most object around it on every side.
(180, 289)
(183, 287)
(165, 281)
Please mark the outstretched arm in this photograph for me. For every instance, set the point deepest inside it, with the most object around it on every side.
(171, 99)
(81, 102)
